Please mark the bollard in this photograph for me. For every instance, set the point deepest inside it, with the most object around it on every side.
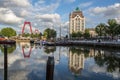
(50, 68)
(5, 62)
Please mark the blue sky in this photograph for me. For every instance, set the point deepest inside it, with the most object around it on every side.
(53, 13)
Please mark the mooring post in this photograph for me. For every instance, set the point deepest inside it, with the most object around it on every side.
(5, 62)
(50, 68)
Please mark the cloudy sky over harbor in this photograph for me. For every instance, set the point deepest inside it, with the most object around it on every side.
(51, 13)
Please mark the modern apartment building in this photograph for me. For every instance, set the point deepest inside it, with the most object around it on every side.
(76, 21)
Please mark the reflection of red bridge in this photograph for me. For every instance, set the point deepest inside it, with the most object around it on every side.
(26, 55)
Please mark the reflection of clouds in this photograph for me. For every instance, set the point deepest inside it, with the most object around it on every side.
(97, 69)
(1, 62)
(18, 75)
(34, 68)
(1, 74)
(12, 58)
(26, 64)
(65, 51)
(23, 69)
(20, 68)
(59, 53)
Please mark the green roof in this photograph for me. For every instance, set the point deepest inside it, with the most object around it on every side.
(77, 9)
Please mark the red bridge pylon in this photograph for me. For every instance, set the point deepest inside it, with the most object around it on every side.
(25, 23)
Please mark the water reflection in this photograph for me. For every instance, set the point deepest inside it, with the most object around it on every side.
(50, 68)
(76, 60)
(49, 49)
(10, 49)
(7, 49)
(5, 63)
(70, 63)
(26, 55)
(109, 59)
(103, 58)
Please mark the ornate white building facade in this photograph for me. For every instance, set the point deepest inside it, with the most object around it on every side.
(76, 21)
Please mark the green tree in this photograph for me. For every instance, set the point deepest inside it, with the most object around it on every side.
(86, 34)
(73, 35)
(76, 34)
(111, 28)
(49, 33)
(79, 34)
(100, 29)
(26, 35)
(8, 32)
(118, 29)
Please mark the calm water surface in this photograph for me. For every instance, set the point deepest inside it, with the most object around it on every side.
(28, 62)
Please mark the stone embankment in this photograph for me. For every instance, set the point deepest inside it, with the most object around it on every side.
(108, 44)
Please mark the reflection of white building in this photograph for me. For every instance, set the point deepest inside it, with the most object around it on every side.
(76, 62)
(91, 53)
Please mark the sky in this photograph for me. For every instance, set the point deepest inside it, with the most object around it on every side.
(55, 13)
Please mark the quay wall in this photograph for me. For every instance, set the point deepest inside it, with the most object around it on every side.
(86, 43)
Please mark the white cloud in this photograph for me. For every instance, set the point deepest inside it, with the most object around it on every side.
(96, 15)
(8, 17)
(17, 6)
(112, 10)
(49, 17)
(23, 3)
(118, 20)
(24, 13)
(87, 4)
(66, 24)
(42, 8)
(17, 11)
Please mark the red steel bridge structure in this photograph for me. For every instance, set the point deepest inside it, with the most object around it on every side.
(27, 23)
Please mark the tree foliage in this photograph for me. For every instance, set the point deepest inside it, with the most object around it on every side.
(8, 32)
(112, 28)
(100, 29)
(76, 34)
(36, 35)
(49, 33)
(86, 34)
(80, 34)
